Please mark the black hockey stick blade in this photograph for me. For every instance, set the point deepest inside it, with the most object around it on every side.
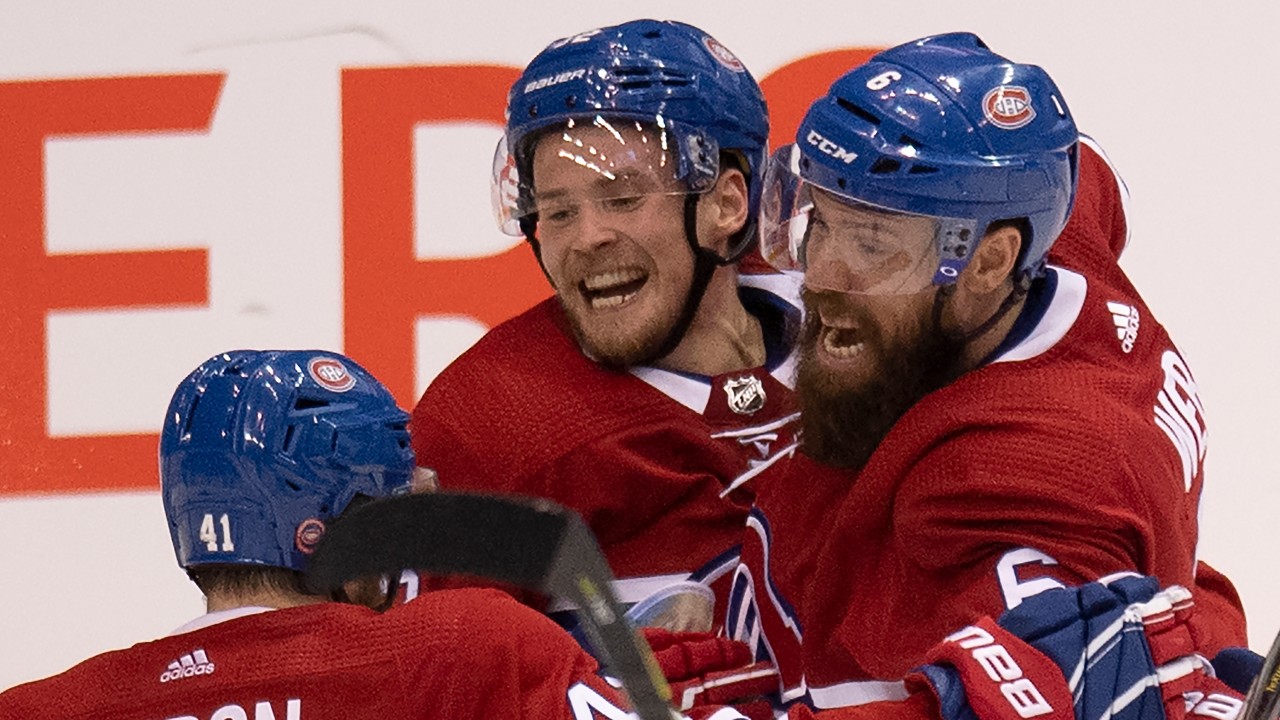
(1263, 700)
(530, 543)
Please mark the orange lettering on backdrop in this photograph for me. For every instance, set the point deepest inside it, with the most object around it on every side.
(33, 281)
(386, 286)
(791, 88)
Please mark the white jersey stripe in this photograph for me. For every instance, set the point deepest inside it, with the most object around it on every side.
(857, 692)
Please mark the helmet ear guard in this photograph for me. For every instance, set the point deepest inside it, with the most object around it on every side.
(261, 449)
(943, 127)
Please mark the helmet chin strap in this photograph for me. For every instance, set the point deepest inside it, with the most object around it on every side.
(705, 263)
(1020, 288)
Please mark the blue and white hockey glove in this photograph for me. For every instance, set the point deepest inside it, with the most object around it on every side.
(1117, 649)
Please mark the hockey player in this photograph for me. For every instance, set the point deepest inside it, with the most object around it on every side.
(654, 387)
(259, 451)
(978, 425)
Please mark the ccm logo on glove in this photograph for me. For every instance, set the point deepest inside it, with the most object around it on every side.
(1022, 694)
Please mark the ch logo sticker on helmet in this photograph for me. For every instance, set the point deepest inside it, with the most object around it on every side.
(330, 374)
(746, 394)
(308, 535)
(1008, 107)
(722, 54)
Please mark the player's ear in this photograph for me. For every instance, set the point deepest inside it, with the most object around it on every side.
(723, 210)
(993, 261)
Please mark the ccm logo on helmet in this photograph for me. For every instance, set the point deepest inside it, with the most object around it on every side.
(828, 147)
(1023, 696)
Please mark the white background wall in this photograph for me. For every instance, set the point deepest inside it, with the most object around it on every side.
(1181, 93)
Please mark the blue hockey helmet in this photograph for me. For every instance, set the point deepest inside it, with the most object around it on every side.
(260, 449)
(665, 77)
(939, 128)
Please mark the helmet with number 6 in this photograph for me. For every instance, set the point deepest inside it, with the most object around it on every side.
(260, 449)
(940, 128)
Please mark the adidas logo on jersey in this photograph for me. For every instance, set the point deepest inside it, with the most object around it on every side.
(197, 663)
(1126, 320)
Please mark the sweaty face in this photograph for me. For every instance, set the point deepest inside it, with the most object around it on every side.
(611, 232)
(866, 357)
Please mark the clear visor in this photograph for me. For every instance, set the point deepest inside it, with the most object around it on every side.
(599, 165)
(845, 245)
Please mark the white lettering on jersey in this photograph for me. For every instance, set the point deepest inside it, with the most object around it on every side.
(1214, 705)
(1022, 694)
(1127, 319)
(586, 703)
(261, 711)
(1015, 590)
(1180, 414)
(409, 584)
(194, 663)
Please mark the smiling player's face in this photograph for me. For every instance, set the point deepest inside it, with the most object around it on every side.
(611, 232)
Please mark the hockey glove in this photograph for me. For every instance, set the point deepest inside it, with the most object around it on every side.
(705, 670)
(1111, 650)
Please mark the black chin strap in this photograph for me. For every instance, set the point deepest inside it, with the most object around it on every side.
(705, 263)
(1019, 291)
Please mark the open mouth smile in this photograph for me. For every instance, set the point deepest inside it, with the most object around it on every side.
(613, 288)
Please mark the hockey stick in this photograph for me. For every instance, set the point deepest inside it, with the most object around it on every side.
(532, 544)
(1263, 700)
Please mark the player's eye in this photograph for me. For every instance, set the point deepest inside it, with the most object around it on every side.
(623, 204)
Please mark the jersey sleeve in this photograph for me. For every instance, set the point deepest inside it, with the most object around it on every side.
(989, 518)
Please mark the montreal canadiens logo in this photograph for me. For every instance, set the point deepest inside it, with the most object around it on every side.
(1008, 107)
(330, 374)
(308, 535)
(722, 54)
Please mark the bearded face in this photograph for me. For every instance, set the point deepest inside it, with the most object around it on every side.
(865, 361)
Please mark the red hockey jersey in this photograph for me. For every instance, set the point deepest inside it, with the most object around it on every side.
(659, 464)
(1076, 452)
(450, 655)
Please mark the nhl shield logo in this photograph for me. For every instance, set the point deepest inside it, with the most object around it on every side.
(1008, 107)
(746, 394)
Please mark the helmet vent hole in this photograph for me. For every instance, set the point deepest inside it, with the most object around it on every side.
(640, 78)
(304, 403)
(908, 140)
(287, 446)
(842, 183)
(191, 415)
(921, 170)
(652, 34)
(865, 115)
(885, 166)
